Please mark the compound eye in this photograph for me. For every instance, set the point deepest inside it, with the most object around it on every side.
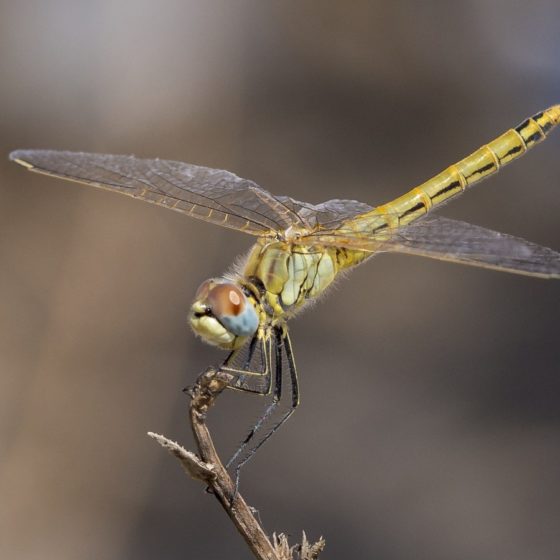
(226, 300)
(204, 290)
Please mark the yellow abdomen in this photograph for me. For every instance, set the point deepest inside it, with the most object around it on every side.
(457, 177)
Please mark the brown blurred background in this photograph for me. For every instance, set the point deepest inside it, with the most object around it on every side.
(430, 417)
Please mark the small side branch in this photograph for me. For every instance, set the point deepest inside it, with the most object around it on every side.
(208, 468)
(193, 465)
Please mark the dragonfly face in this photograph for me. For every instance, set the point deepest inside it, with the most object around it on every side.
(222, 314)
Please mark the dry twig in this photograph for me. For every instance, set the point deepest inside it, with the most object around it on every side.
(208, 468)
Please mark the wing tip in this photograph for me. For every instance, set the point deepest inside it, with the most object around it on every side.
(21, 157)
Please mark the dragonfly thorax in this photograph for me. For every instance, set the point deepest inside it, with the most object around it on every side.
(222, 314)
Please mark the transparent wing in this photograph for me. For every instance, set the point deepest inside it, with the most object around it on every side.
(328, 215)
(208, 194)
(455, 241)
(223, 198)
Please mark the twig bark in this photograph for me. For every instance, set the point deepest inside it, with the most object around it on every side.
(208, 468)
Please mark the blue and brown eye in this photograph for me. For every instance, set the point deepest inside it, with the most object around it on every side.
(204, 289)
(226, 299)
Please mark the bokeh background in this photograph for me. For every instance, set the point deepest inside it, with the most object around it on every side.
(430, 417)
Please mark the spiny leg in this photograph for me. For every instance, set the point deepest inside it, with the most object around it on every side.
(282, 348)
(293, 405)
(246, 375)
(276, 396)
(249, 366)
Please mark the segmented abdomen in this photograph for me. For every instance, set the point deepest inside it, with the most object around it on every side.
(457, 177)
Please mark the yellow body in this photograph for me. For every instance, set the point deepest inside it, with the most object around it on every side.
(302, 248)
(457, 177)
(294, 273)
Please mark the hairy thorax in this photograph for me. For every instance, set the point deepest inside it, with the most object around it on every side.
(291, 275)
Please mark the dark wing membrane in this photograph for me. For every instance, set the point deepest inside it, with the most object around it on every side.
(454, 241)
(208, 194)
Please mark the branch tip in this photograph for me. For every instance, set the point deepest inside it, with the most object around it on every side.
(192, 463)
(303, 551)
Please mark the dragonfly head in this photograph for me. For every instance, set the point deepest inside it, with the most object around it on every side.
(222, 314)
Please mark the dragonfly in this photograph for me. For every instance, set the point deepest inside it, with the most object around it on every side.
(301, 248)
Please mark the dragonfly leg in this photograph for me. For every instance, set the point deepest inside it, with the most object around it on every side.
(254, 440)
(249, 367)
